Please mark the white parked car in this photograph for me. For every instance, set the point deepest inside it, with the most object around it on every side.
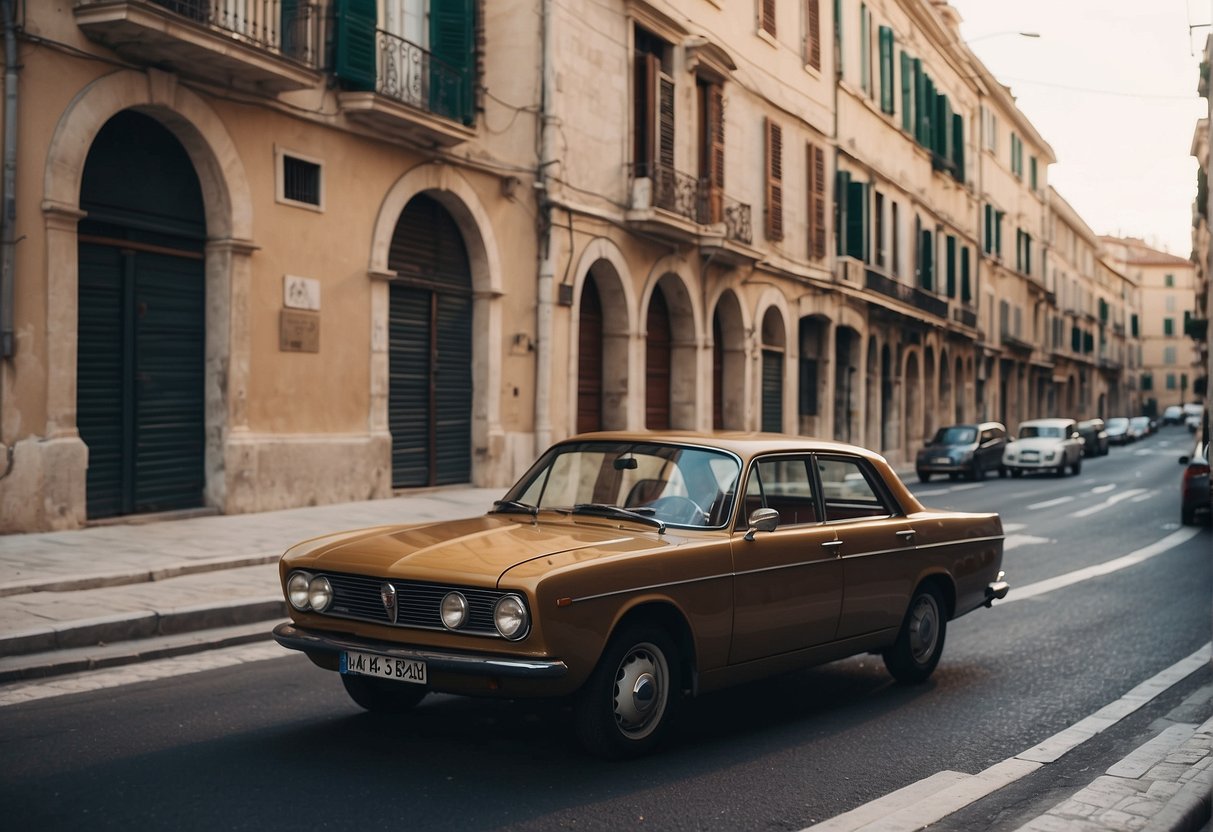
(1044, 445)
(1173, 415)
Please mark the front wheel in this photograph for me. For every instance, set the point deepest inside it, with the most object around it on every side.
(924, 476)
(626, 705)
(1016, 472)
(913, 657)
(382, 696)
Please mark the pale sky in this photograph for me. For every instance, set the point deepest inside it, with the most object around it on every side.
(1111, 86)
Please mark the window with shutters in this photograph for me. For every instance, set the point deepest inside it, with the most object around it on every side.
(653, 98)
(812, 33)
(966, 286)
(766, 16)
(774, 188)
(878, 237)
(816, 166)
(711, 147)
(865, 50)
(895, 245)
(950, 266)
(1168, 326)
(886, 70)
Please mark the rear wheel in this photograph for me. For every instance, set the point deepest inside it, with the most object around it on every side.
(383, 696)
(626, 705)
(924, 476)
(914, 655)
(1187, 515)
(1015, 472)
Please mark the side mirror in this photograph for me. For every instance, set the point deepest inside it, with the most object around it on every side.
(762, 520)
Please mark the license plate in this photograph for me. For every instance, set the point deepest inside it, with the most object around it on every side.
(941, 460)
(384, 667)
(1031, 455)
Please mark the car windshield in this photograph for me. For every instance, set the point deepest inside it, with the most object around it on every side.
(678, 485)
(955, 435)
(1117, 423)
(1028, 431)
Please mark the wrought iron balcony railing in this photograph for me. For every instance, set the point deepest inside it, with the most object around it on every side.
(965, 316)
(695, 199)
(877, 282)
(289, 29)
(411, 75)
(738, 225)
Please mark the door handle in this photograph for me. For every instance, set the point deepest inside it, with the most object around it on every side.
(906, 533)
(830, 544)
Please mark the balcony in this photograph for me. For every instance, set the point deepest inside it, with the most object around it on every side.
(264, 46)
(1014, 342)
(415, 95)
(924, 301)
(965, 316)
(678, 206)
(849, 271)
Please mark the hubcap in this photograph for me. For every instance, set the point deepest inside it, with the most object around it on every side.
(924, 628)
(640, 691)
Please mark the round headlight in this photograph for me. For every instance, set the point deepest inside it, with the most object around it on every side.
(320, 593)
(511, 617)
(296, 589)
(454, 610)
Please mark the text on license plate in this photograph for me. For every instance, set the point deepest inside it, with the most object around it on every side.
(941, 460)
(385, 667)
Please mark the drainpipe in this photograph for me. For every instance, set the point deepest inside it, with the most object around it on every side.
(8, 200)
(547, 267)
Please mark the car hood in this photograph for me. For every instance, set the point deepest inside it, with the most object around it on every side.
(1035, 443)
(476, 551)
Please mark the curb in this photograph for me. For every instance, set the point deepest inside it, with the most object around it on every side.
(1188, 810)
(107, 579)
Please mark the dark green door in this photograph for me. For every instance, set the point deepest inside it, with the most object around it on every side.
(141, 331)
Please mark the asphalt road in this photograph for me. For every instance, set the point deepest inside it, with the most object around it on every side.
(276, 744)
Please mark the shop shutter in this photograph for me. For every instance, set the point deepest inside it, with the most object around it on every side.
(589, 359)
(409, 372)
(772, 391)
(453, 389)
(717, 374)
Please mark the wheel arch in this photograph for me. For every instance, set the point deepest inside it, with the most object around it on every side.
(665, 614)
(946, 587)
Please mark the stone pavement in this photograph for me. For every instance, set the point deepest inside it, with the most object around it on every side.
(118, 594)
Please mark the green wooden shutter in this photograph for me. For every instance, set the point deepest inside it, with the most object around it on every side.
(1032, 171)
(451, 50)
(842, 186)
(865, 49)
(920, 102)
(290, 40)
(907, 94)
(988, 239)
(857, 210)
(951, 265)
(886, 69)
(927, 256)
(354, 60)
(958, 146)
(966, 286)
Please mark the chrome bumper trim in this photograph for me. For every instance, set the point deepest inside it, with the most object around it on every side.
(467, 664)
(997, 589)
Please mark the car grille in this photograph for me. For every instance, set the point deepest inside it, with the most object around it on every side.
(418, 604)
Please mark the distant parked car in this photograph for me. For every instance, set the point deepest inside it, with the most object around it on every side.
(1192, 423)
(1045, 445)
(969, 450)
(1173, 415)
(1118, 431)
(1194, 486)
(1139, 427)
(1193, 415)
(1094, 436)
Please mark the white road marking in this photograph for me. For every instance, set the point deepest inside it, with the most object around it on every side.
(1014, 541)
(23, 692)
(1050, 503)
(1103, 489)
(1141, 498)
(934, 798)
(967, 486)
(1013, 527)
(1108, 503)
(1132, 559)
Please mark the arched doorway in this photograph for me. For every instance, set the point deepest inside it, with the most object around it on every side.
(603, 335)
(589, 358)
(932, 394)
(657, 354)
(671, 350)
(813, 375)
(848, 347)
(141, 321)
(773, 346)
(890, 426)
(728, 365)
(429, 348)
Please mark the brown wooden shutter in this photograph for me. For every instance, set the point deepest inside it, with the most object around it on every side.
(589, 360)
(816, 159)
(657, 363)
(666, 125)
(647, 69)
(774, 136)
(712, 169)
(768, 17)
(813, 36)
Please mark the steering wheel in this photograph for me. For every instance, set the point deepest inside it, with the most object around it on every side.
(679, 509)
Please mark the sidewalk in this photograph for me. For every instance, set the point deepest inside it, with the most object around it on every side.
(111, 595)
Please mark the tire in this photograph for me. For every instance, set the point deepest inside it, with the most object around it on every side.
(383, 696)
(1002, 472)
(609, 722)
(978, 473)
(924, 476)
(1016, 473)
(1187, 515)
(953, 476)
(913, 657)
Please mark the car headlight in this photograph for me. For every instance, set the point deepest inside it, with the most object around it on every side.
(296, 589)
(511, 617)
(1051, 455)
(454, 610)
(319, 593)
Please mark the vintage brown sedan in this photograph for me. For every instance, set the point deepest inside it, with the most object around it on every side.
(628, 570)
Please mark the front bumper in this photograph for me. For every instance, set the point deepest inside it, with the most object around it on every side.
(459, 664)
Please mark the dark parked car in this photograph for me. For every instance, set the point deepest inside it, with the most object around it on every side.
(1118, 431)
(969, 450)
(1194, 487)
(1094, 436)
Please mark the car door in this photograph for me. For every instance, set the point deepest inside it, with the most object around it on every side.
(876, 544)
(992, 443)
(787, 589)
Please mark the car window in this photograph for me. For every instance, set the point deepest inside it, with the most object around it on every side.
(1028, 431)
(848, 490)
(955, 435)
(785, 484)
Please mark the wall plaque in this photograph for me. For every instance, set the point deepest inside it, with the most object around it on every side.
(299, 331)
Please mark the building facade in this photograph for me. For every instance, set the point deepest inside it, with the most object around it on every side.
(276, 254)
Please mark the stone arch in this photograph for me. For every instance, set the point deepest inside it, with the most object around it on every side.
(729, 365)
(914, 395)
(227, 205)
(773, 343)
(931, 392)
(602, 261)
(672, 278)
(448, 187)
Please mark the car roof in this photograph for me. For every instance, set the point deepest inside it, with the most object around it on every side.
(743, 443)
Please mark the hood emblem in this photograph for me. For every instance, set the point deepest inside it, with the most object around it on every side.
(387, 593)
